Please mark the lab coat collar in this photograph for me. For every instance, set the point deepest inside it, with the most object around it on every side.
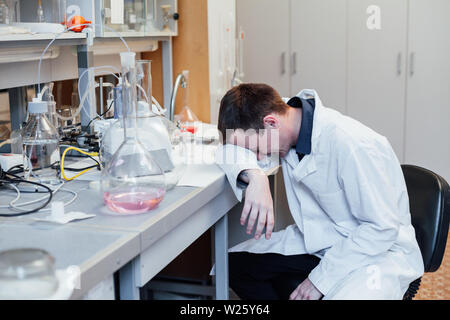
(308, 164)
(318, 108)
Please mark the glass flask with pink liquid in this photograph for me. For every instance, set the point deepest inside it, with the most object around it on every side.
(132, 182)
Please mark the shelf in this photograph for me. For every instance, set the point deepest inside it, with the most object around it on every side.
(41, 36)
(38, 39)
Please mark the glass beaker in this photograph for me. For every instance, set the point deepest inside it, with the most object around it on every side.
(144, 81)
(27, 274)
(132, 181)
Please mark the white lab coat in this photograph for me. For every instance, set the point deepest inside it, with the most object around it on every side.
(350, 205)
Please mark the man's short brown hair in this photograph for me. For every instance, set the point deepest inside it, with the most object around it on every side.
(245, 106)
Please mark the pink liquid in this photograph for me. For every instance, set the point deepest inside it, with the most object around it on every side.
(139, 201)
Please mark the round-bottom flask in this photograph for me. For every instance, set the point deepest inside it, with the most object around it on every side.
(132, 182)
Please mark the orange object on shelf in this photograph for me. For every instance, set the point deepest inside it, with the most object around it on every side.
(76, 21)
(188, 128)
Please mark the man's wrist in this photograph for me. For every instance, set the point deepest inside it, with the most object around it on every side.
(250, 174)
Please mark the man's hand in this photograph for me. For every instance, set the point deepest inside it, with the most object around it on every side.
(258, 204)
(306, 291)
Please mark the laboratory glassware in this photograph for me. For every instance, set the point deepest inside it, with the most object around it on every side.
(122, 16)
(40, 12)
(40, 144)
(14, 11)
(16, 141)
(47, 95)
(187, 119)
(132, 182)
(156, 133)
(27, 274)
(4, 12)
(144, 81)
(50, 12)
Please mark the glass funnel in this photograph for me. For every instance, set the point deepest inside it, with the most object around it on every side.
(132, 181)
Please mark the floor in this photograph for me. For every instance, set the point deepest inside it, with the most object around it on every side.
(436, 285)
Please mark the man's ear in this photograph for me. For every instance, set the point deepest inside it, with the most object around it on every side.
(271, 122)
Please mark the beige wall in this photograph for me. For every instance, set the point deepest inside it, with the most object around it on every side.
(190, 52)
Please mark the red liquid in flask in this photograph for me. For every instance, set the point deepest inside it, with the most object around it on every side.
(133, 202)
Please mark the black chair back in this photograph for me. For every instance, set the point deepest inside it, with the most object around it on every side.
(429, 201)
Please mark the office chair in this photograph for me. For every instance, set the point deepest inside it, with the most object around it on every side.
(429, 202)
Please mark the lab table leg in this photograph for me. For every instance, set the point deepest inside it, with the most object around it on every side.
(127, 276)
(221, 257)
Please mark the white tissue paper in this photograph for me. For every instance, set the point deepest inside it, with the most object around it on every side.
(66, 217)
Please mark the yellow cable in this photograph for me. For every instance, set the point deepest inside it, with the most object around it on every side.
(92, 154)
(5, 142)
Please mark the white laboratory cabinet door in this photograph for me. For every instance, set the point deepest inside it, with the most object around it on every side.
(222, 51)
(428, 97)
(265, 24)
(318, 49)
(377, 39)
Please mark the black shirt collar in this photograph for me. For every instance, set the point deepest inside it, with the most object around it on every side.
(304, 138)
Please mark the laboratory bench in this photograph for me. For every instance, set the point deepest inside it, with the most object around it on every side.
(135, 246)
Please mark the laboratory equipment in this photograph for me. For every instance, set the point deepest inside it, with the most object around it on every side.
(16, 141)
(186, 118)
(40, 12)
(47, 95)
(181, 80)
(40, 16)
(40, 144)
(156, 133)
(47, 11)
(14, 11)
(27, 274)
(77, 23)
(166, 16)
(124, 17)
(132, 182)
(144, 81)
(4, 12)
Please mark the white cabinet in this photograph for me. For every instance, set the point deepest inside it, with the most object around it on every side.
(221, 51)
(385, 63)
(428, 86)
(318, 33)
(266, 42)
(376, 67)
(281, 38)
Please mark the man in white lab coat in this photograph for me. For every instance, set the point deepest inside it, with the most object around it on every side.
(352, 237)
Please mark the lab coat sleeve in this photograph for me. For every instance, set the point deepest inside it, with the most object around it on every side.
(233, 160)
(372, 187)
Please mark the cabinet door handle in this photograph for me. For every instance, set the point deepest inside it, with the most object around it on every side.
(412, 57)
(399, 63)
(294, 63)
(283, 63)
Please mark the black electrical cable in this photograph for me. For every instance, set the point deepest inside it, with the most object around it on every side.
(4, 179)
(13, 169)
(109, 108)
(82, 169)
